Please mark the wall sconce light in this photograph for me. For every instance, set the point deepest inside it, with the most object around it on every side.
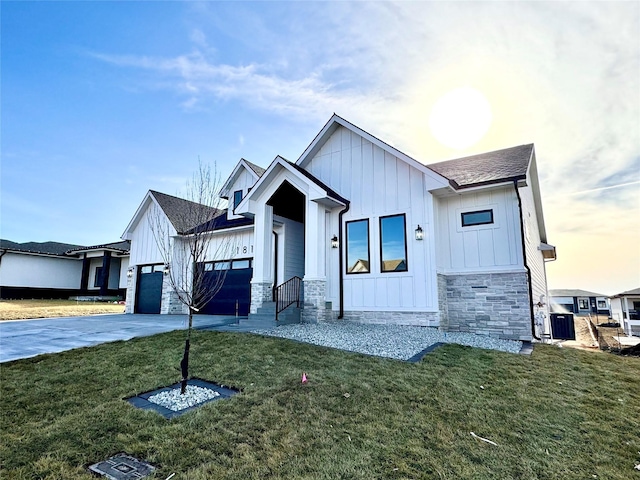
(166, 269)
(419, 233)
(334, 242)
(130, 272)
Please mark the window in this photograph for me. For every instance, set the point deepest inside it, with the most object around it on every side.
(480, 217)
(97, 282)
(241, 264)
(237, 198)
(146, 269)
(602, 304)
(583, 304)
(393, 244)
(358, 246)
(222, 265)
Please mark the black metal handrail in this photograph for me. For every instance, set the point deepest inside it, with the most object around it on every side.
(286, 294)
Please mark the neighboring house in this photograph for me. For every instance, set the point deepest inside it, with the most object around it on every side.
(580, 302)
(60, 270)
(625, 309)
(376, 237)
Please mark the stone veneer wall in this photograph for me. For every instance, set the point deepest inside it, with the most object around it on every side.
(495, 304)
(261, 292)
(170, 303)
(421, 319)
(314, 305)
(131, 291)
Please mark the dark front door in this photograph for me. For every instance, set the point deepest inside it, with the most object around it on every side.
(235, 292)
(149, 292)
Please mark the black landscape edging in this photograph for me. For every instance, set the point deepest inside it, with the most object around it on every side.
(141, 400)
(418, 356)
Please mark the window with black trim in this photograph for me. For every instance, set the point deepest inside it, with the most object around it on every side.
(237, 198)
(97, 282)
(479, 217)
(602, 304)
(393, 244)
(358, 246)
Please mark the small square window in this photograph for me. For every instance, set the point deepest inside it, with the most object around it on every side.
(583, 304)
(208, 267)
(222, 265)
(602, 304)
(158, 268)
(241, 264)
(146, 269)
(480, 217)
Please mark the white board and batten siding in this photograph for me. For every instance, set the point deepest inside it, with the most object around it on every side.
(494, 247)
(230, 244)
(243, 183)
(378, 184)
(144, 249)
(535, 260)
(40, 271)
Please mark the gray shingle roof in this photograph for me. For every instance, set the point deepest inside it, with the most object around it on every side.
(49, 248)
(123, 246)
(574, 293)
(492, 167)
(635, 291)
(259, 170)
(183, 214)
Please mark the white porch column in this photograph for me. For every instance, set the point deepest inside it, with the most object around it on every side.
(262, 281)
(315, 244)
(626, 323)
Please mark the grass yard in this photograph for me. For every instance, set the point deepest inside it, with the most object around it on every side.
(19, 309)
(559, 414)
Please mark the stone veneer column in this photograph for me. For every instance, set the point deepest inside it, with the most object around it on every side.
(131, 290)
(261, 292)
(314, 306)
(170, 303)
(495, 304)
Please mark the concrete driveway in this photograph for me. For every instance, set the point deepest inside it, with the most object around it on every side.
(28, 338)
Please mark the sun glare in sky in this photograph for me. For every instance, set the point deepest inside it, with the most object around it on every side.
(460, 118)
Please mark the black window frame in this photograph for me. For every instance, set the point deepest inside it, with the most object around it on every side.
(347, 247)
(406, 257)
(237, 199)
(475, 212)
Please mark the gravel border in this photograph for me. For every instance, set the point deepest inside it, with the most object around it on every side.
(393, 341)
(174, 401)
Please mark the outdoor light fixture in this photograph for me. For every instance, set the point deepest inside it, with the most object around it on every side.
(419, 233)
(130, 272)
(334, 242)
(166, 269)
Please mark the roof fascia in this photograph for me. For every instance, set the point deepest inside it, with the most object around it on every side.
(67, 256)
(336, 121)
(225, 190)
(532, 177)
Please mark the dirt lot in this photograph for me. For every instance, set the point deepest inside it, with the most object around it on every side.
(20, 309)
(605, 335)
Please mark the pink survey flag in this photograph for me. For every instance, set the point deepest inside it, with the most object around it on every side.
(304, 378)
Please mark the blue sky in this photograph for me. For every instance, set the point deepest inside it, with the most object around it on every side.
(102, 101)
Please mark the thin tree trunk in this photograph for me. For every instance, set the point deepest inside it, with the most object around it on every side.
(184, 364)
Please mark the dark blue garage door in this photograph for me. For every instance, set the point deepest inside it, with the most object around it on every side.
(149, 293)
(235, 291)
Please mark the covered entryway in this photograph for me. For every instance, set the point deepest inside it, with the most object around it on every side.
(149, 289)
(234, 295)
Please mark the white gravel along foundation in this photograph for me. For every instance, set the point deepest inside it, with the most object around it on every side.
(392, 341)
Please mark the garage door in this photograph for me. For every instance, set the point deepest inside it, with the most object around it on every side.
(149, 292)
(235, 291)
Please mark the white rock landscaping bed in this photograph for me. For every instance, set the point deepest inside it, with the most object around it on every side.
(174, 401)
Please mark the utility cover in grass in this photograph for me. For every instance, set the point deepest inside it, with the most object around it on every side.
(169, 403)
(123, 467)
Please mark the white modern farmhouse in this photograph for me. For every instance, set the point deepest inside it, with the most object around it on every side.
(371, 235)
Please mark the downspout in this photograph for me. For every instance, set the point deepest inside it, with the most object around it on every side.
(341, 276)
(524, 259)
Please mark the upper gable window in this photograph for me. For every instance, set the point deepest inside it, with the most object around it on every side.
(479, 217)
(237, 198)
(393, 244)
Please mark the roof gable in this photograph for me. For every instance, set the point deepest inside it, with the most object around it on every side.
(437, 180)
(254, 170)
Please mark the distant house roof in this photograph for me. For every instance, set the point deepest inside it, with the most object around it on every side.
(574, 293)
(634, 292)
(47, 248)
(120, 247)
(183, 214)
(486, 168)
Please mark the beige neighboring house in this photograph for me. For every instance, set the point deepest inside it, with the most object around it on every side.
(625, 309)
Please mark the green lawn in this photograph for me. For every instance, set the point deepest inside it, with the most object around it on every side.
(559, 414)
